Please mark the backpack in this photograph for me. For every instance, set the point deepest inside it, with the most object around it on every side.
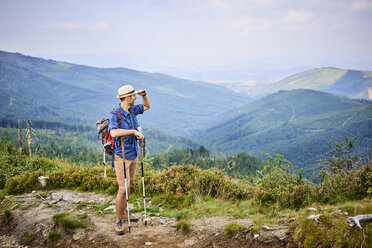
(103, 134)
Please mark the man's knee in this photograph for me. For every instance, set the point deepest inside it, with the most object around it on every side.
(122, 190)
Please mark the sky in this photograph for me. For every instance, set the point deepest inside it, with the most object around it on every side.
(182, 37)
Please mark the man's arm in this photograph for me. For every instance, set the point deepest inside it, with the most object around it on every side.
(123, 132)
(145, 100)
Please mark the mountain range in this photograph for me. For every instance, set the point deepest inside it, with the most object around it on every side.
(351, 83)
(51, 90)
(297, 123)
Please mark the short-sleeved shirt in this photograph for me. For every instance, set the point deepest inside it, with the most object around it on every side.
(128, 121)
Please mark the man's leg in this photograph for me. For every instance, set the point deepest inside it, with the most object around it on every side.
(131, 172)
(120, 198)
(121, 202)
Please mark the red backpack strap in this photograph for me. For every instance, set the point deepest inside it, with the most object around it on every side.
(118, 115)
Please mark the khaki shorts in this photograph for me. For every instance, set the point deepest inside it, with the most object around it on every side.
(130, 165)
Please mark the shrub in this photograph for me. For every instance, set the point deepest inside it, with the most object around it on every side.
(12, 163)
(23, 183)
(279, 186)
(344, 178)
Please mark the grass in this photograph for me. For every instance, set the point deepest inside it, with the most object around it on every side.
(183, 226)
(53, 237)
(42, 195)
(6, 216)
(84, 204)
(49, 205)
(233, 228)
(64, 220)
(30, 236)
(333, 229)
(100, 208)
(244, 209)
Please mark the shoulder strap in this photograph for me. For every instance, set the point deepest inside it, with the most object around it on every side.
(118, 115)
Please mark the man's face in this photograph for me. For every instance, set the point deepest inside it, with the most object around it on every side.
(132, 99)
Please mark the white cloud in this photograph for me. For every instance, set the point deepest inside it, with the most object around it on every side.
(361, 5)
(289, 21)
(297, 17)
(205, 6)
(102, 25)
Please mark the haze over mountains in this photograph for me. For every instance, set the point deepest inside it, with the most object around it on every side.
(297, 123)
(45, 89)
(351, 83)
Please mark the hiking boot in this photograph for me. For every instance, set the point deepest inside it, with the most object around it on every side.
(132, 218)
(119, 229)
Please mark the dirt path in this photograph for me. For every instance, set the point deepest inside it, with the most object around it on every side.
(32, 221)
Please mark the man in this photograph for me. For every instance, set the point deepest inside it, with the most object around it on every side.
(123, 122)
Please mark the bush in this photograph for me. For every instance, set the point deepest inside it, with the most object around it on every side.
(344, 178)
(12, 163)
(23, 183)
(280, 187)
(179, 184)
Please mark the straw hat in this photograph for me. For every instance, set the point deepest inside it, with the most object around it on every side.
(126, 90)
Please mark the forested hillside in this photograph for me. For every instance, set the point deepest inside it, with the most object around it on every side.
(79, 143)
(35, 88)
(297, 124)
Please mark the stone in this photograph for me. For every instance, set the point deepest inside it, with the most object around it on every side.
(148, 243)
(110, 208)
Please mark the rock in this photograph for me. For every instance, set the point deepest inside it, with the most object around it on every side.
(157, 215)
(312, 209)
(58, 200)
(256, 236)
(78, 235)
(359, 218)
(291, 220)
(110, 208)
(189, 242)
(42, 180)
(148, 243)
(314, 217)
(266, 228)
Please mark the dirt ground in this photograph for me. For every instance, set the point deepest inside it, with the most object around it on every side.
(32, 221)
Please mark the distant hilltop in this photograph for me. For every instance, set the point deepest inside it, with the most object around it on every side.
(351, 83)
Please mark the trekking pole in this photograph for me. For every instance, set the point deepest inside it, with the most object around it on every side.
(125, 179)
(104, 161)
(142, 145)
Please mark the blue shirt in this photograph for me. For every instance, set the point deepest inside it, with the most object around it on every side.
(128, 121)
